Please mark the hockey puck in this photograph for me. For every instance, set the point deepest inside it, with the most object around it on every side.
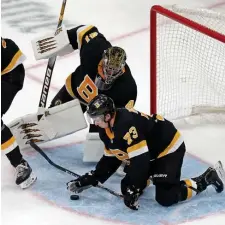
(74, 197)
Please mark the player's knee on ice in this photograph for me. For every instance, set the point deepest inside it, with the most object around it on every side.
(167, 194)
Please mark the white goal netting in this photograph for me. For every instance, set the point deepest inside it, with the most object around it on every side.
(190, 64)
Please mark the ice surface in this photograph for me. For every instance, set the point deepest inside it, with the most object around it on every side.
(47, 202)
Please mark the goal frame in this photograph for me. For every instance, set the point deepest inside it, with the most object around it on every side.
(157, 9)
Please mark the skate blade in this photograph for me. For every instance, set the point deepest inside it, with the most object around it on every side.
(29, 181)
(220, 171)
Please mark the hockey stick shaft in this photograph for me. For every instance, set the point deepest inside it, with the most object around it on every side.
(49, 71)
(38, 149)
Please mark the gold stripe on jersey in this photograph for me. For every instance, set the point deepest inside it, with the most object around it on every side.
(81, 32)
(109, 133)
(173, 146)
(9, 145)
(130, 105)
(69, 86)
(108, 153)
(137, 149)
(13, 62)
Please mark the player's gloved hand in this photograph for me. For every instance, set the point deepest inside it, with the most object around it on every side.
(131, 198)
(82, 183)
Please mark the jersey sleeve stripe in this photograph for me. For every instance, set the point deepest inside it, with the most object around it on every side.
(109, 133)
(108, 153)
(137, 149)
(16, 60)
(69, 86)
(80, 34)
(173, 146)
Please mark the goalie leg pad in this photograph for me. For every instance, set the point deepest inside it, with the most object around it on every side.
(57, 122)
(93, 148)
(63, 119)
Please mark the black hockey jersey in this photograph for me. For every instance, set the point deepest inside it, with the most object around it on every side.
(136, 138)
(81, 83)
(11, 56)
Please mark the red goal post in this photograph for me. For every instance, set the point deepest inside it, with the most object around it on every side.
(187, 54)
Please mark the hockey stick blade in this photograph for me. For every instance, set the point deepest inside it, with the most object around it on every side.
(39, 150)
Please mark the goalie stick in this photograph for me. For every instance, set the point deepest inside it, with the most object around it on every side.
(49, 70)
(38, 149)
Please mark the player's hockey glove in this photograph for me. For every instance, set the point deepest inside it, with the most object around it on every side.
(82, 183)
(131, 198)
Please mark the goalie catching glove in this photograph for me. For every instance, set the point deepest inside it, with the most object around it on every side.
(82, 183)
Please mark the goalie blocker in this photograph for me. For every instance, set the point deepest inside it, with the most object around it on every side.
(52, 44)
(56, 122)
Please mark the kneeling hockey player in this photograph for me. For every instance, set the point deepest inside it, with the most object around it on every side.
(152, 146)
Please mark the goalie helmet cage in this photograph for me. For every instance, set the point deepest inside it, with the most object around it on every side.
(187, 53)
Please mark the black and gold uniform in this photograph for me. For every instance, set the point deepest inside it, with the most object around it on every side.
(89, 78)
(151, 146)
(12, 56)
(12, 77)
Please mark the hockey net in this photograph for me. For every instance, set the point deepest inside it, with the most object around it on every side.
(187, 64)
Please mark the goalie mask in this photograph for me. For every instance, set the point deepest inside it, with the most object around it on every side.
(113, 63)
(99, 107)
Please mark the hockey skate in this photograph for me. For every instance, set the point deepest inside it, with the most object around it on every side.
(214, 176)
(24, 175)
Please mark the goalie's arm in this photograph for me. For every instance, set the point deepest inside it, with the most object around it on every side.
(82, 35)
(64, 41)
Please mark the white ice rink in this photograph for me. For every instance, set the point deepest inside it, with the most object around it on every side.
(125, 23)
